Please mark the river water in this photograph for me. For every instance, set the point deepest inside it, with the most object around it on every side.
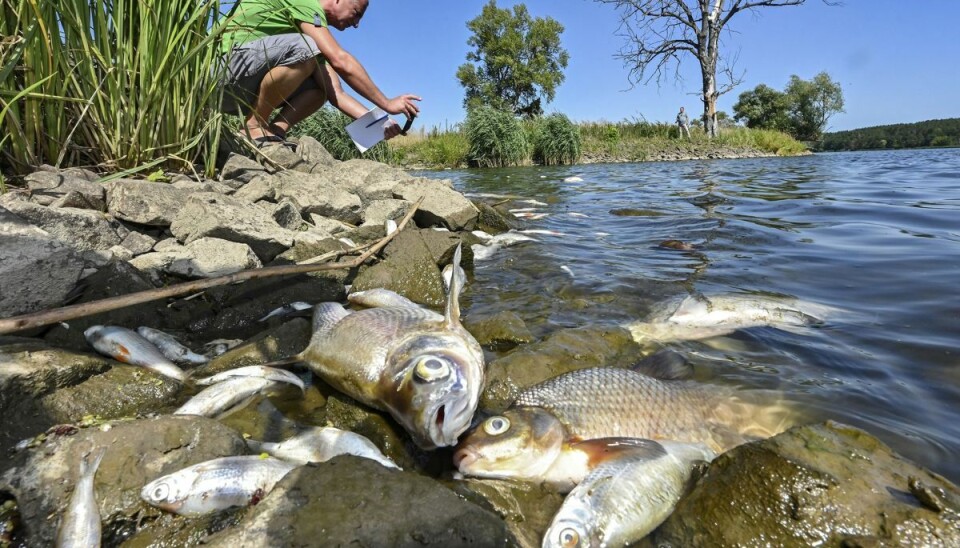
(876, 234)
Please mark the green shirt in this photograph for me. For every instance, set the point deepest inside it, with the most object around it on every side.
(255, 19)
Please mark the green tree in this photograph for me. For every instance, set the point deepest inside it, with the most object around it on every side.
(516, 63)
(763, 108)
(811, 104)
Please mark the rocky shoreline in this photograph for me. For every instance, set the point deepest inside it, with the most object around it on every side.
(68, 238)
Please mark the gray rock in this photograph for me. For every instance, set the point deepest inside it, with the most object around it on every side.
(37, 271)
(408, 268)
(441, 205)
(327, 224)
(227, 218)
(144, 202)
(81, 228)
(314, 153)
(398, 509)
(190, 185)
(137, 452)
(212, 257)
(319, 194)
(46, 187)
(76, 200)
(262, 187)
(502, 330)
(168, 244)
(138, 243)
(827, 484)
(13, 196)
(239, 170)
(287, 215)
(378, 211)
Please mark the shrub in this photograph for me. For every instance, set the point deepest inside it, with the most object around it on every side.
(329, 126)
(556, 141)
(496, 138)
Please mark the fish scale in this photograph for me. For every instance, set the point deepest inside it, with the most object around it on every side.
(608, 402)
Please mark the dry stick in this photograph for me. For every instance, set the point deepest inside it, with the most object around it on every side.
(37, 319)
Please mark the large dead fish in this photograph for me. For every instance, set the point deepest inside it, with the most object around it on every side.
(625, 498)
(128, 346)
(698, 317)
(170, 347)
(425, 369)
(537, 438)
(80, 526)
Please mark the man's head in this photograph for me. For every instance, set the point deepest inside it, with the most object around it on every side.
(681, 109)
(343, 14)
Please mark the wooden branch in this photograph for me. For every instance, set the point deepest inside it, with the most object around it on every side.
(46, 317)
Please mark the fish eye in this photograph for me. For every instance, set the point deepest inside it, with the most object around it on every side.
(569, 538)
(432, 369)
(160, 492)
(495, 426)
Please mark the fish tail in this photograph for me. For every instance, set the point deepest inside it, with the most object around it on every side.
(752, 420)
(453, 296)
(91, 462)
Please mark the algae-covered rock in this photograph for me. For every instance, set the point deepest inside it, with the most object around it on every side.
(351, 501)
(824, 485)
(564, 351)
(527, 508)
(409, 268)
(500, 331)
(137, 452)
(272, 344)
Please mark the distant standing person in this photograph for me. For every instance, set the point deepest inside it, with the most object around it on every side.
(683, 123)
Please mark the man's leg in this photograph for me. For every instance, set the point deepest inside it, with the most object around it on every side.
(304, 101)
(279, 83)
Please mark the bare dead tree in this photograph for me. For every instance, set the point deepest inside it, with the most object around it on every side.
(660, 33)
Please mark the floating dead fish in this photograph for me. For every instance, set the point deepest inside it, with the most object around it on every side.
(256, 371)
(483, 236)
(601, 234)
(226, 397)
(625, 498)
(322, 444)
(541, 231)
(573, 179)
(588, 404)
(425, 369)
(379, 297)
(533, 202)
(171, 348)
(531, 215)
(523, 210)
(128, 346)
(286, 310)
(568, 270)
(700, 317)
(216, 484)
(579, 215)
(80, 526)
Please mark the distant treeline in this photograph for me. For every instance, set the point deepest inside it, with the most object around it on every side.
(931, 133)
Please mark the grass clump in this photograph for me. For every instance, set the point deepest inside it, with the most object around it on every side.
(329, 126)
(496, 138)
(556, 141)
(443, 149)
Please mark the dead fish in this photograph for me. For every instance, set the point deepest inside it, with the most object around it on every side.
(697, 317)
(531, 215)
(217, 347)
(573, 179)
(483, 236)
(522, 210)
(255, 371)
(604, 402)
(226, 397)
(625, 498)
(568, 270)
(216, 484)
(676, 244)
(286, 310)
(347, 242)
(379, 297)
(322, 444)
(171, 347)
(580, 215)
(542, 231)
(127, 346)
(425, 369)
(80, 526)
(448, 275)
(389, 226)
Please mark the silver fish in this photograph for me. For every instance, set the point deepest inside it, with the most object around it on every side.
(389, 226)
(127, 346)
(448, 275)
(258, 371)
(286, 310)
(226, 397)
(425, 369)
(216, 484)
(698, 317)
(171, 348)
(624, 499)
(322, 444)
(217, 347)
(380, 297)
(80, 526)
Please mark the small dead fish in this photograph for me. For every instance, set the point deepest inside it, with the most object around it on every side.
(322, 444)
(531, 215)
(533, 202)
(568, 270)
(625, 498)
(573, 179)
(171, 347)
(389, 226)
(286, 310)
(601, 234)
(225, 397)
(483, 236)
(128, 346)
(542, 231)
(217, 347)
(522, 210)
(255, 371)
(80, 526)
(580, 215)
(347, 242)
(216, 484)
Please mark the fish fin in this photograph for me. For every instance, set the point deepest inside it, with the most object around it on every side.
(452, 314)
(607, 449)
(666, 365)
(91, 461)
(692, 305)
(326, 315)
(255, 446)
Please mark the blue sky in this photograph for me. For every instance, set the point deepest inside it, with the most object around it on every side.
(897, 60)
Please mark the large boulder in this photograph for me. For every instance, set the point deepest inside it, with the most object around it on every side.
(47, 187)
(319, 504)
(84, 229)
(37, 271)
(409, 268)
(214, 215)
(824, 485)
(144, 202)
(441, 205)
(319, 194)
(201, 258)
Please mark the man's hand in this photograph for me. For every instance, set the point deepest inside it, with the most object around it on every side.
(404, 104)
(391, 130)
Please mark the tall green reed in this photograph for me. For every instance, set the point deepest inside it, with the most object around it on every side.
(328, 126)
(496, 137)
(117, 85)
(555, 140)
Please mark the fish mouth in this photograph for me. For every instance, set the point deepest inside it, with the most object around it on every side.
(464, 457)
(450, 419)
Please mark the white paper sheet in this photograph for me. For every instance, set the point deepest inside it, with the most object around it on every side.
(367, 130)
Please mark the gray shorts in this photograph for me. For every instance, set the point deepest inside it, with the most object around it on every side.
(248, 63)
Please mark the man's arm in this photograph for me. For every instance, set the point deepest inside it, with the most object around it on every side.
(347, 66)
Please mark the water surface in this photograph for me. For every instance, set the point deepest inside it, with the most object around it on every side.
(874, 233)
